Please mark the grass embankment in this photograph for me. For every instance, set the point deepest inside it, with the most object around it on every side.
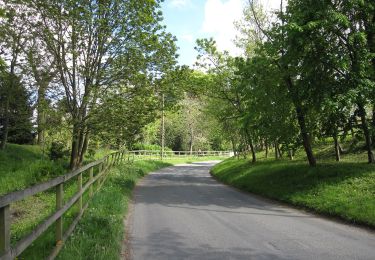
(341, 189)
(99, 233)
(24, 165)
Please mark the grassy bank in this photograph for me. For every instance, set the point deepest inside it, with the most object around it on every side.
(24, 165)
(345, 190)
(99, 233)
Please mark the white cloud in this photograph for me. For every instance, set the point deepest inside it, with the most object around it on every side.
(219, 18)
(180, 3)
(218, 22)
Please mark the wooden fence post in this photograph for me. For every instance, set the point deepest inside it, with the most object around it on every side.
(80, 189)
(91, 191)
(101, 166)
(4, 229)
(59, 205)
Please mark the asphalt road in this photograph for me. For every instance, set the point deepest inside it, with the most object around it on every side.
(181, 212)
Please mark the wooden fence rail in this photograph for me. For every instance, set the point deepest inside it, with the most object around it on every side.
(103, 165)
(156, 155)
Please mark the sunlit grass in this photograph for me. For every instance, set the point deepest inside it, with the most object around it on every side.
(342, 189)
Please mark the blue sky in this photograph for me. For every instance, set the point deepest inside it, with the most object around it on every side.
(184, 21)
(193, 19)
(189, 20)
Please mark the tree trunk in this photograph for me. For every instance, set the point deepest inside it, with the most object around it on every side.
(290, 154)
(233, 145)
(366, 133)
(337, 148)
(4, 137)
(279, 151)
(305, 137)
(250, 142)
(276, 150)
(266, 148)
(74, 155)
(340, 149)
(84, 148)
(253, 154)
(41, 115)
(302, 124)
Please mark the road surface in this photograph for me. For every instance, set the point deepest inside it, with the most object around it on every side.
(181, 212)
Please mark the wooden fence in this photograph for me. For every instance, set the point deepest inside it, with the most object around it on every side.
(166, 155)
(102, 168)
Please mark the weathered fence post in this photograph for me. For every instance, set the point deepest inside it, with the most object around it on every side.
(59, 205)
(101, 166)
(91, 190)
(79, 190)
(4, 229)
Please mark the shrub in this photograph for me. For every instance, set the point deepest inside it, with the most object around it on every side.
(56, 151)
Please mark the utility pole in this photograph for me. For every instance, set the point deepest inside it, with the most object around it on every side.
(162, 129)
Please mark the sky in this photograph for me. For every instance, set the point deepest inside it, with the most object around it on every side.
(189, 20)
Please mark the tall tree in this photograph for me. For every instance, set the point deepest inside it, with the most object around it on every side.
(13, 29)
(98, 44)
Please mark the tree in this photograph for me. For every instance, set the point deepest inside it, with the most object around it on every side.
(11, 45)
(346, 59)
(15, 111)
(96, 45)
(226, 85)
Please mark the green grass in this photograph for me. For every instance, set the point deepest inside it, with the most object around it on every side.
(100, 233)
(345, 190)
(24, 165)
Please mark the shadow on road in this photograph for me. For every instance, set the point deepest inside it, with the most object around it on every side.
(191, 187)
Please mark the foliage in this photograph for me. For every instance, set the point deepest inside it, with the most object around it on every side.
(152, 147)
(305, 76)
(56, 151)
(98, 55)
(15, 110)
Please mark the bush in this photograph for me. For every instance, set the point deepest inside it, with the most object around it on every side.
(56, 151)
